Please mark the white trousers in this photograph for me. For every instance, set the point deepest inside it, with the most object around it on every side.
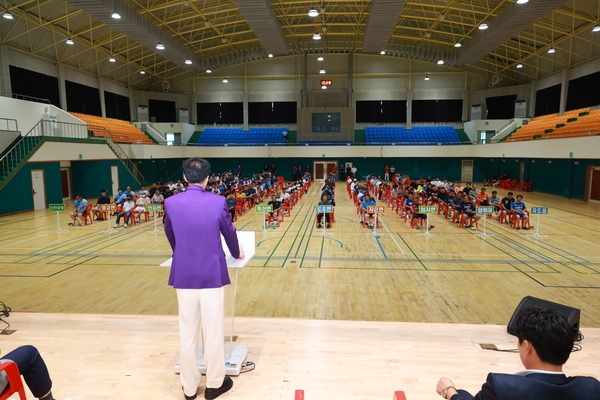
(201, 310)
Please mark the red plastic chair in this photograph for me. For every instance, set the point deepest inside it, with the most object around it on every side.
(15, 384)
(399, 396)
(88, 215)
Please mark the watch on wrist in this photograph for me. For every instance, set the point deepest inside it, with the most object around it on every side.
(445, 391)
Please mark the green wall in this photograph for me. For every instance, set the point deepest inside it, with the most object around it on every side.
(162, 170)
(89, 177)
(16, 195)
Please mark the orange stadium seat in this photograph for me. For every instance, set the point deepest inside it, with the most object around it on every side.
(115, 129)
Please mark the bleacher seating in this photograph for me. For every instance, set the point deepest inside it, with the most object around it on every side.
(239, 137)
(115, 129)
(580, 122)
(418, 135)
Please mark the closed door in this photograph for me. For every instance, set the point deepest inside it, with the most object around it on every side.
(38, 189)
(330, 166)
(466, 174)
(319, 171)
(114, 177)
(522, 171)
(64, 180)
(595, 185)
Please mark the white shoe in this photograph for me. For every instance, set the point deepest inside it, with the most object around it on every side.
(125, 226)
(116, 226)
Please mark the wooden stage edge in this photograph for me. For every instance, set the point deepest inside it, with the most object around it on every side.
(97, 357)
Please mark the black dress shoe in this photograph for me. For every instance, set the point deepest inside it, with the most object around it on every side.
(213, 393)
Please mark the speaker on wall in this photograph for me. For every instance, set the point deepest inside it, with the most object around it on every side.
(572, 314)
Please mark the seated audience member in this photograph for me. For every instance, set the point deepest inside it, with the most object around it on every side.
(103, 199)
(417, 215)
(120, 197)
(494, 200)
(79, 211)
(507, 204)
(273, 215)
(231, 204)
(141, 204)
(153, 189)
(367, 201)
(129, 192)
(128, 207)
(518, 208)
(456, 204)
(326, 200)
(469, 209)
(33, 369)
(158, 197)
(483, 197)
(545, 342)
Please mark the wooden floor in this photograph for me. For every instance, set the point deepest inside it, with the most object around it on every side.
(108, 357)
(399, 275)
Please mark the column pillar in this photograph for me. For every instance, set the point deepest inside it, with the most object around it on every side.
(102, 101)
(409, 96)
(564, 87)
(5, 86)
(532, 98)
(61, 87)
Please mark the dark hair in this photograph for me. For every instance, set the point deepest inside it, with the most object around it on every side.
(196, 170)
(549, 333)
(77, 195)
(519, 196)
(511, 193)
(103, 191)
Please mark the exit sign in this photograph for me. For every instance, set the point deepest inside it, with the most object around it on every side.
(326, 82)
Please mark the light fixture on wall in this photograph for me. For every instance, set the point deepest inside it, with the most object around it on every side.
(440, 62)
(322, 71)
(323, 87)
(160, 46)
(317, 36)
(225, 80)
(483, 26)
(426, 77)
(313, 12)
(188, 61)
(209, 71)
(320, 58)
(519, 65)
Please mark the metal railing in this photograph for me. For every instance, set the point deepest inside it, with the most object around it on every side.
(155, 133)
(7, 123)
(61, 129)
(15, 155)
(130, 165)
(24, 97)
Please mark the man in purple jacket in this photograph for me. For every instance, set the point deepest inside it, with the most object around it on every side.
(193, 224)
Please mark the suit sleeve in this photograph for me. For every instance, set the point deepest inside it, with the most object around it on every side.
(228, 231)
(487, 392)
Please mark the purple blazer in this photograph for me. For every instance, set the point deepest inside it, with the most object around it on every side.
(193, 222)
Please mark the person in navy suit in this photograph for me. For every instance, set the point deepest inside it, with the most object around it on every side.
(194, 223)
(545, 342)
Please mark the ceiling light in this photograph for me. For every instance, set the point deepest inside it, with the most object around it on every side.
(112, 59)
(8, 15)
(551, 50)
(382, 52)
(209, 71)
(595, 29)
(428, 35)
(320, 58)
(225, 80)
(313, 12)
(115, 14)
(69, 41)
(160, 46)
(426, 77)
(323, 87)
(483, 26)
(440, 61)
(206, 23)
(323, 28)
(322, 71)
(316, 36)
(223, 40)
(457, 44)
(522, 1)
(188, 61)
(519, 65)
(270, 55)
(143, 72)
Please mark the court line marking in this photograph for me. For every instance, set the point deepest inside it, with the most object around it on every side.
(391, 235)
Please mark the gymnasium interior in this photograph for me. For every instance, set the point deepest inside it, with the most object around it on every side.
(109, 94)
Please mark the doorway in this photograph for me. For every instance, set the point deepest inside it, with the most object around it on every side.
(323, 169)
(593, 187)
(65, 180)
(38, 189)
(114, 177)
(466, 172)
(521, 171)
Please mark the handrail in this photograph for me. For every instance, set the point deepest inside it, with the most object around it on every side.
(63, 129)
(7, 121)
(13, 156)
(24, 97)
(156, 132)
(512, 121)
(119, 152)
